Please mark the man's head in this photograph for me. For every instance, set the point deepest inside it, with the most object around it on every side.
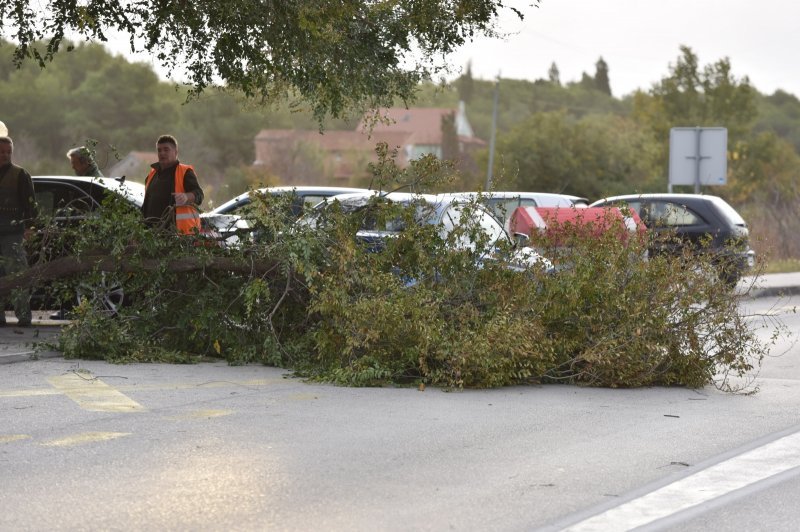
(167, 148)
(6, 149)
(81, 160)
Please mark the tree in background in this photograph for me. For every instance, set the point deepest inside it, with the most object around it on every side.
(601, 81)
(450, 150)
(691, 96)
(465, 84)
(780, 113)
(595, 156)
(332, 56)
(553, 75)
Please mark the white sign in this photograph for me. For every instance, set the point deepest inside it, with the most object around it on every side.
(698, 156)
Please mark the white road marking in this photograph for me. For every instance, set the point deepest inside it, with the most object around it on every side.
(720, 479)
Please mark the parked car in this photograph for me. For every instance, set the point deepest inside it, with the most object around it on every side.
(230, 218)
(703, 222)
(305, 196)
(70, 199)
(502, 204)
(442, 210)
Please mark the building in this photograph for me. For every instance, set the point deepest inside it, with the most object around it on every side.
(303, 157)
(135, 166)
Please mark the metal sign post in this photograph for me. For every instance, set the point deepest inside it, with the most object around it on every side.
(698, 156)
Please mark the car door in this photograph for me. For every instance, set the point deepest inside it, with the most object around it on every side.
(66, 202)
(677, 225)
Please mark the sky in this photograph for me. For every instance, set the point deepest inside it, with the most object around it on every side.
(639, 39)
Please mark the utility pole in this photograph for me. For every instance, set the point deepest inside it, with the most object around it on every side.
(492, 135)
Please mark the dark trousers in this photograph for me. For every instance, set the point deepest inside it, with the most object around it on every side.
(12, 260)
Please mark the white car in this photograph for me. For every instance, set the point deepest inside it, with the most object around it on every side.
(503, 204)
(444, 211)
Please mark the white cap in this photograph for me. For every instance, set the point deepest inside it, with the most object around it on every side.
(3, 130)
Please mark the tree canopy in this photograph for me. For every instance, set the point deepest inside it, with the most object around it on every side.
(330, 55)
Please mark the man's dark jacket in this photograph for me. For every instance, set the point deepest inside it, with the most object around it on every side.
(17, 202)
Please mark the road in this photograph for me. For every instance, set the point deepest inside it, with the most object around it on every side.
(85, 445)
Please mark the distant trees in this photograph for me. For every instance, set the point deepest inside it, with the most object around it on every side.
(553, 74)
(601, 81)
(593, 156)
(465, 84)
(695, 96)
(450, 148)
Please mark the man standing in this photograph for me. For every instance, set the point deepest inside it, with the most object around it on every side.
(83, 163)
(17, 211)
(172, 193)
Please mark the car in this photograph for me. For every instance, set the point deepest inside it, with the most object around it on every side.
(502, 204)
(230, 218)
(701, 221)
(70, 199)
(305, 196)
(74, 197)
(442, 210)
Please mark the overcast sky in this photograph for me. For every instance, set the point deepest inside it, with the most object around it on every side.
(639, 39)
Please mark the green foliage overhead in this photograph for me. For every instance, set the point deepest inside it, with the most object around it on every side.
(334, 55)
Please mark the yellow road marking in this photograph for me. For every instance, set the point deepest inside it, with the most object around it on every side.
(85, 437)
(28, 393)
(150, 387)
(203, 414)
(13, 437)
(93, 394)
(303, 397)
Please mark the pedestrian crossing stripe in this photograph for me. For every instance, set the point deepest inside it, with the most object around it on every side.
(90, 393)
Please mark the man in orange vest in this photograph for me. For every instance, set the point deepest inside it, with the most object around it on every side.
(172, 194)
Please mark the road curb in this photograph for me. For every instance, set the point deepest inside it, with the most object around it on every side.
(773, 291)
(23, 344)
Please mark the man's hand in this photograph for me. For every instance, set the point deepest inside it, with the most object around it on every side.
(183, 198)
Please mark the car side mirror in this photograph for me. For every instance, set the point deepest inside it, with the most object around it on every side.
(521, 240)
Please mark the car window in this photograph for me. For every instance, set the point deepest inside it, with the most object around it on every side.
(487, 224)
(668, 214)
(503, 208)
(63, 199)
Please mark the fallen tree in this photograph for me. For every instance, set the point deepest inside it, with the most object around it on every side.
(418, 309)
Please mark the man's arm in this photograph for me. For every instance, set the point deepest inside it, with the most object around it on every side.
(27, 198)
(191, 186)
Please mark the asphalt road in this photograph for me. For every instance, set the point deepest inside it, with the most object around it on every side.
(86, 445)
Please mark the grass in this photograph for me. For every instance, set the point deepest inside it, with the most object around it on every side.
(782, 266)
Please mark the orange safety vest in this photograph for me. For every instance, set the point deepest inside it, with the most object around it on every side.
(187, 218)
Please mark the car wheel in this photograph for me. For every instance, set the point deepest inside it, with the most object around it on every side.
(107, 296)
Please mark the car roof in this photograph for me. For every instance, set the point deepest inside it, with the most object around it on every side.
(518, 194)
(132, 190)
(400, 197)
(660, 195)
(300, 190)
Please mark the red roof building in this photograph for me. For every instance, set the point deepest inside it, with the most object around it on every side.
(413, 132)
